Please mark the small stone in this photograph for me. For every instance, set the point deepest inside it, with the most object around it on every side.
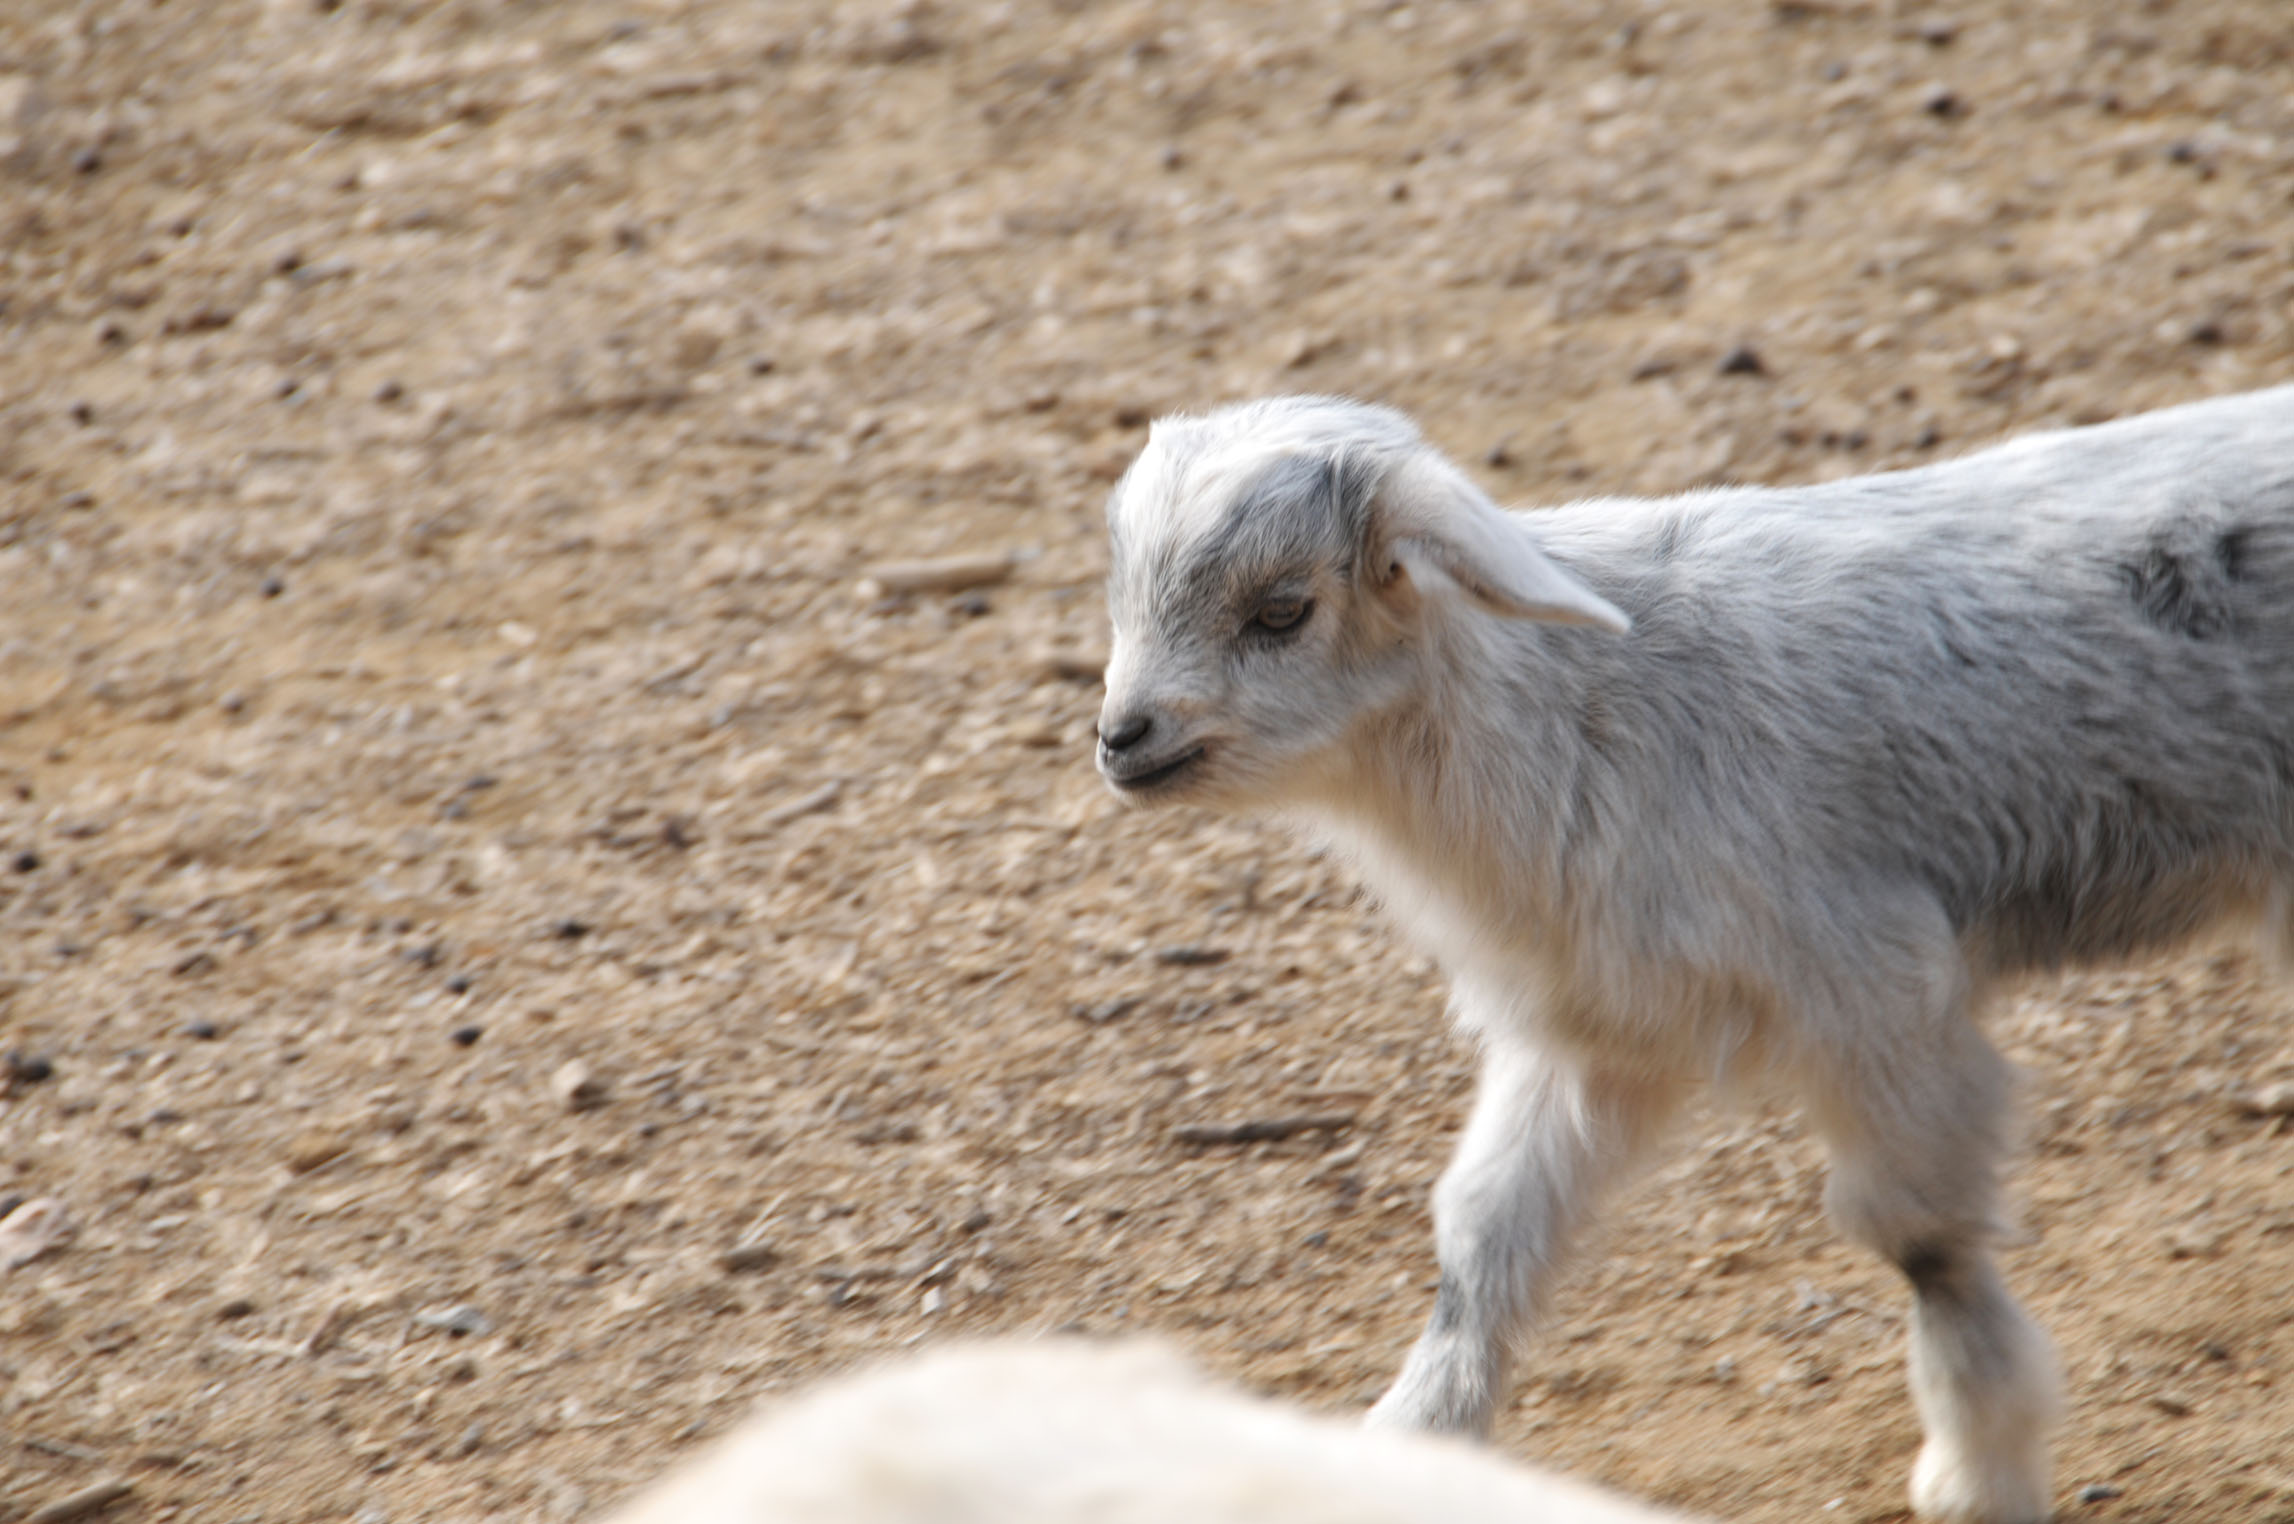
(83, 1504)
(2173, 1404)
(315, 1150)
(946, 574)
(389, 391)
(460, 1319)
(2275, 1100)
(27, 1068)
(236, 1308)
(32, 1229)
(2097, 1492)
(26, 862)
(1191, 955)
(273, 585)
(1074, 666)
(1743, 360)
(755, 1255)
(973, 605)
(575, 1087)
(201, 1029)
(1940, 101)
(1108, 1010)
(2207, 332)
(458, 984)
(569, 929)
(466, 1036)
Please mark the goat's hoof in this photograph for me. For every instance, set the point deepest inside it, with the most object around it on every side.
(1949, 1487)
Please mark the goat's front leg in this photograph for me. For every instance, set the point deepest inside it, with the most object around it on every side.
(1545, 1141)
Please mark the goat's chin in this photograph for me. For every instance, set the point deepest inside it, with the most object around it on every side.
(1190, 784)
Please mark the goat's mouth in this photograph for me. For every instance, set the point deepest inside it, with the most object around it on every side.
(1146, 780)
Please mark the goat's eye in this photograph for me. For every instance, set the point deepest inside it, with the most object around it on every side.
(1280, 614)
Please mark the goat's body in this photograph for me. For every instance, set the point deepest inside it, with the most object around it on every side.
(2047, 690)
(1760, 786)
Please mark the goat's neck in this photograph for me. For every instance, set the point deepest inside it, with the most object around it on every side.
(1459, 803)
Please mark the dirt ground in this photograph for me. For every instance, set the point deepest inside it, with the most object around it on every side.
(440, 449)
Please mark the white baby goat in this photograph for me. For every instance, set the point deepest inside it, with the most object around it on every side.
(1754, 786)
(1074, 1433)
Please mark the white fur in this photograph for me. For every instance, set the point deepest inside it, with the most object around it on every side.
(1755, 788)
(1076, 1433)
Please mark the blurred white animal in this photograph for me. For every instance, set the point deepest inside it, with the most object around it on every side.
(1068, 1432)
(1756, 787)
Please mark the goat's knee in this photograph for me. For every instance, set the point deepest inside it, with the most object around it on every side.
(1544, 1143)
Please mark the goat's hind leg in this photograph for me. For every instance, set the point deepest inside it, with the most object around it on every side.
(1545, 1141)
(1916, 1123)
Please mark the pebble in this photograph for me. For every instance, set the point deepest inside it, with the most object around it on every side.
(21, 107)
(202, 1029)
(569, 929)
(948, 574)
(1073, 666)
(1940, 101)
(27, 1068)
(459, 1319)
(1191, 955)
(1743, 360)
(2269, 1101)
(756, 1255)
(2097, 1492)
(88, 1501)
(315, 1150)
(234, 1309)
(466, 1036)
(26, 862)
(575, 1087)
(31, 1230)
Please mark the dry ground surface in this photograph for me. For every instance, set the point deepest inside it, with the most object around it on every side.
(440, 448)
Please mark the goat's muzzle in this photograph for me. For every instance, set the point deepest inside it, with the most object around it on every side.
(1136, 756)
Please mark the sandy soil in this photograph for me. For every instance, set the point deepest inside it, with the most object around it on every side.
(440, 446)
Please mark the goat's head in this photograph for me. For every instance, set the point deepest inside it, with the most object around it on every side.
(1275, 570)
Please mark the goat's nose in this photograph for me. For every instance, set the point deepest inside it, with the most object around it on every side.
(1125, 730)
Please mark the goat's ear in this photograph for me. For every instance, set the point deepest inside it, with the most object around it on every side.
(1437, 518)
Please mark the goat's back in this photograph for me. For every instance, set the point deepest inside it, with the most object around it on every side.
(2052, 682)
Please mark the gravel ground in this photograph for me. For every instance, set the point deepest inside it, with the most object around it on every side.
(516, 945)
